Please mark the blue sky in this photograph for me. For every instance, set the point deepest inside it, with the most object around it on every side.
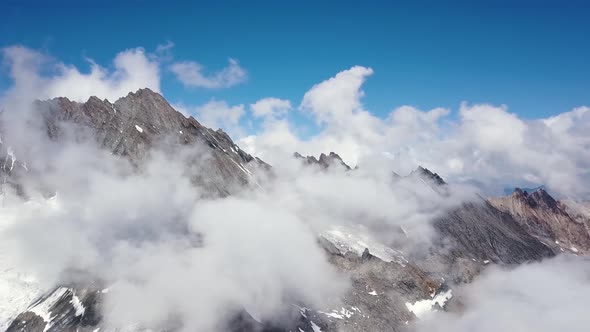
(532, 57)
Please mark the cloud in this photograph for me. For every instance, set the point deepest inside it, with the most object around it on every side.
(492, 128)
(338, 97)
(162, 250)
(540, 297)
(31, 70)
(270, 107)
(165, 251)
(191, 74)
(216, 114)
(479, 143)
(166, 47)
(484, 144)
(164, 52)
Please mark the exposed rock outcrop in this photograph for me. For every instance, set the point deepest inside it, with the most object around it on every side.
(547, 219)
(325, 160)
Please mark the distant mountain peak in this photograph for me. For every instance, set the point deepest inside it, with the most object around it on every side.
(536, 198)
(134, 124)
(325, 160)
(546, 218)
(426, 174)
(510, 190)
(143, 92)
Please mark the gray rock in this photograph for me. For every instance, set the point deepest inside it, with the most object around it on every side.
(547, 219)
(325, 160)
(133, 125)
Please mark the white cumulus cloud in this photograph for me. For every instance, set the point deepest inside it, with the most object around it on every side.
(132, 70)
(274, 107)
(485, 144)
(216, 114)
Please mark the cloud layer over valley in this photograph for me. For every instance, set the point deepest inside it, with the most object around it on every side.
(536, 297)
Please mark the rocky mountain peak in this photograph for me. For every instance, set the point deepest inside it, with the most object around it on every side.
(145, 95)
(332, 158)
(94, 100)
(135, 124)
(537, 199)
(325, 160)
(546, 218)
(427, 175)
(543, 198)
(518, 193)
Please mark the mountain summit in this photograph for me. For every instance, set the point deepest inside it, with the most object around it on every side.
(135, 124)
(547, 219)
(325, 160)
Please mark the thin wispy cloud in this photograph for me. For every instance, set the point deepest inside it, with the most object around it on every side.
(270, 107)
(193, 74)
(217, 114)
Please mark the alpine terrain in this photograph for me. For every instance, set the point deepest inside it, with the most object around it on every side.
(392, 279)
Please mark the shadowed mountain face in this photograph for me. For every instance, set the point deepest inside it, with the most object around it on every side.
(483, 232)
(555, 223)
(387, 289)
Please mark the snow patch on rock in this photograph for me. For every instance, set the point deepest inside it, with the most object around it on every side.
(339, 314)
(315, 327)
(78, 306)
(42, 308)
(17, 291)
(424, 307)
(341, 240)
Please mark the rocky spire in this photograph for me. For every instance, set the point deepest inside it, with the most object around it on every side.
(427, 175)
(325, 161)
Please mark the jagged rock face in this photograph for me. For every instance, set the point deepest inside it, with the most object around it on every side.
(473, 235)
(381, 296)
(325, 161)
(547, 219)
(388, 285)
(393, 289)
(130, 127)
(133, 125)
(426, 175)
(475, 231)
(480, 231)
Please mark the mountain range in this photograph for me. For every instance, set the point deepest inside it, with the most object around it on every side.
(389, 286)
